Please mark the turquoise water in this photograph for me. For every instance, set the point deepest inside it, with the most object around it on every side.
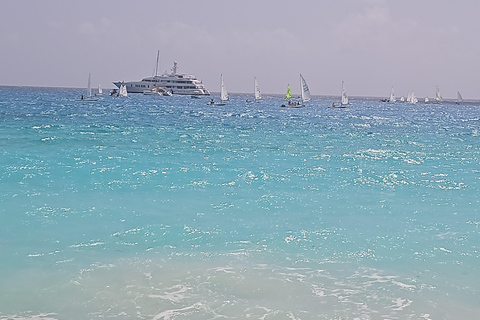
(166, 208)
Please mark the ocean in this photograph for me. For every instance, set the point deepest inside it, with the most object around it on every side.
(166, 208)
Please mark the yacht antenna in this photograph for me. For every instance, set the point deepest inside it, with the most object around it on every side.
(174, 68)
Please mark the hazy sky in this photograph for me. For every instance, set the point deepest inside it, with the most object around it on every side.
(371, 44)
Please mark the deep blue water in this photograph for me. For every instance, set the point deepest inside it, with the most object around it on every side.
(167, 208)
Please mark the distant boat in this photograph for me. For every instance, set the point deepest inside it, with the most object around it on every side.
(223, 94)
(88, 96)
(100, 91)
(305, 90)
(343, 99)
(213, 103)
(177, 83)
(122, 92)
(438, 96)
(459, 98)
(426, 99)
(411, 98)
(305, 95)
(158, 91)
(392, 97)
(344, 95)
(258, 94)
(290, 103)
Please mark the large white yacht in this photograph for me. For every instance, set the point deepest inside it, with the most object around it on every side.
(176, 83)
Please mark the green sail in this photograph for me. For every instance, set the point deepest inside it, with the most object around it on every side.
(289, 94)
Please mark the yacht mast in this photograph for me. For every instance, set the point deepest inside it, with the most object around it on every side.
(156, 67)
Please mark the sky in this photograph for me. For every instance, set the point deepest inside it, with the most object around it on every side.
(372, 45)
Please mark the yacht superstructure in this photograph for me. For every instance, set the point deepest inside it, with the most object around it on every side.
(176, 83)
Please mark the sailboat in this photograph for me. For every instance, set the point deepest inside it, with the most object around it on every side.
(344, 95)
(305, 90)
(258, 94)
(305, 93)
(100, 91)
(411, 98)
(392, 97)
(223, 94)
(344, 99)
(88, 96)
(459, 98)
(122, 92)
(438, 96)
(290, 103)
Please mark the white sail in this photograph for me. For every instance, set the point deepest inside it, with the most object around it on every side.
(344, 95)
(438, 96)
(258, 94)
(223, 90)
(100, 91)
(413, 98)
(123, 91)
(392, 96)
(459, 97)
(88, 96)
(89, 87)
(305, 90)
(409, 97)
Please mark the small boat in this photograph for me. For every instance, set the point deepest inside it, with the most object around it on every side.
(223, 94)
(158, 91)
(88, 96)
(343, 100)
(100, 91)
(411, 98)
(122, 91)
(344, 95)
(257, 93)
(459, 98)
(438, 96)
(213, 103)
(290, 103)
(414, 98)
(392, 98)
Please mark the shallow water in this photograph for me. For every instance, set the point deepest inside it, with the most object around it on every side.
(166, 208)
